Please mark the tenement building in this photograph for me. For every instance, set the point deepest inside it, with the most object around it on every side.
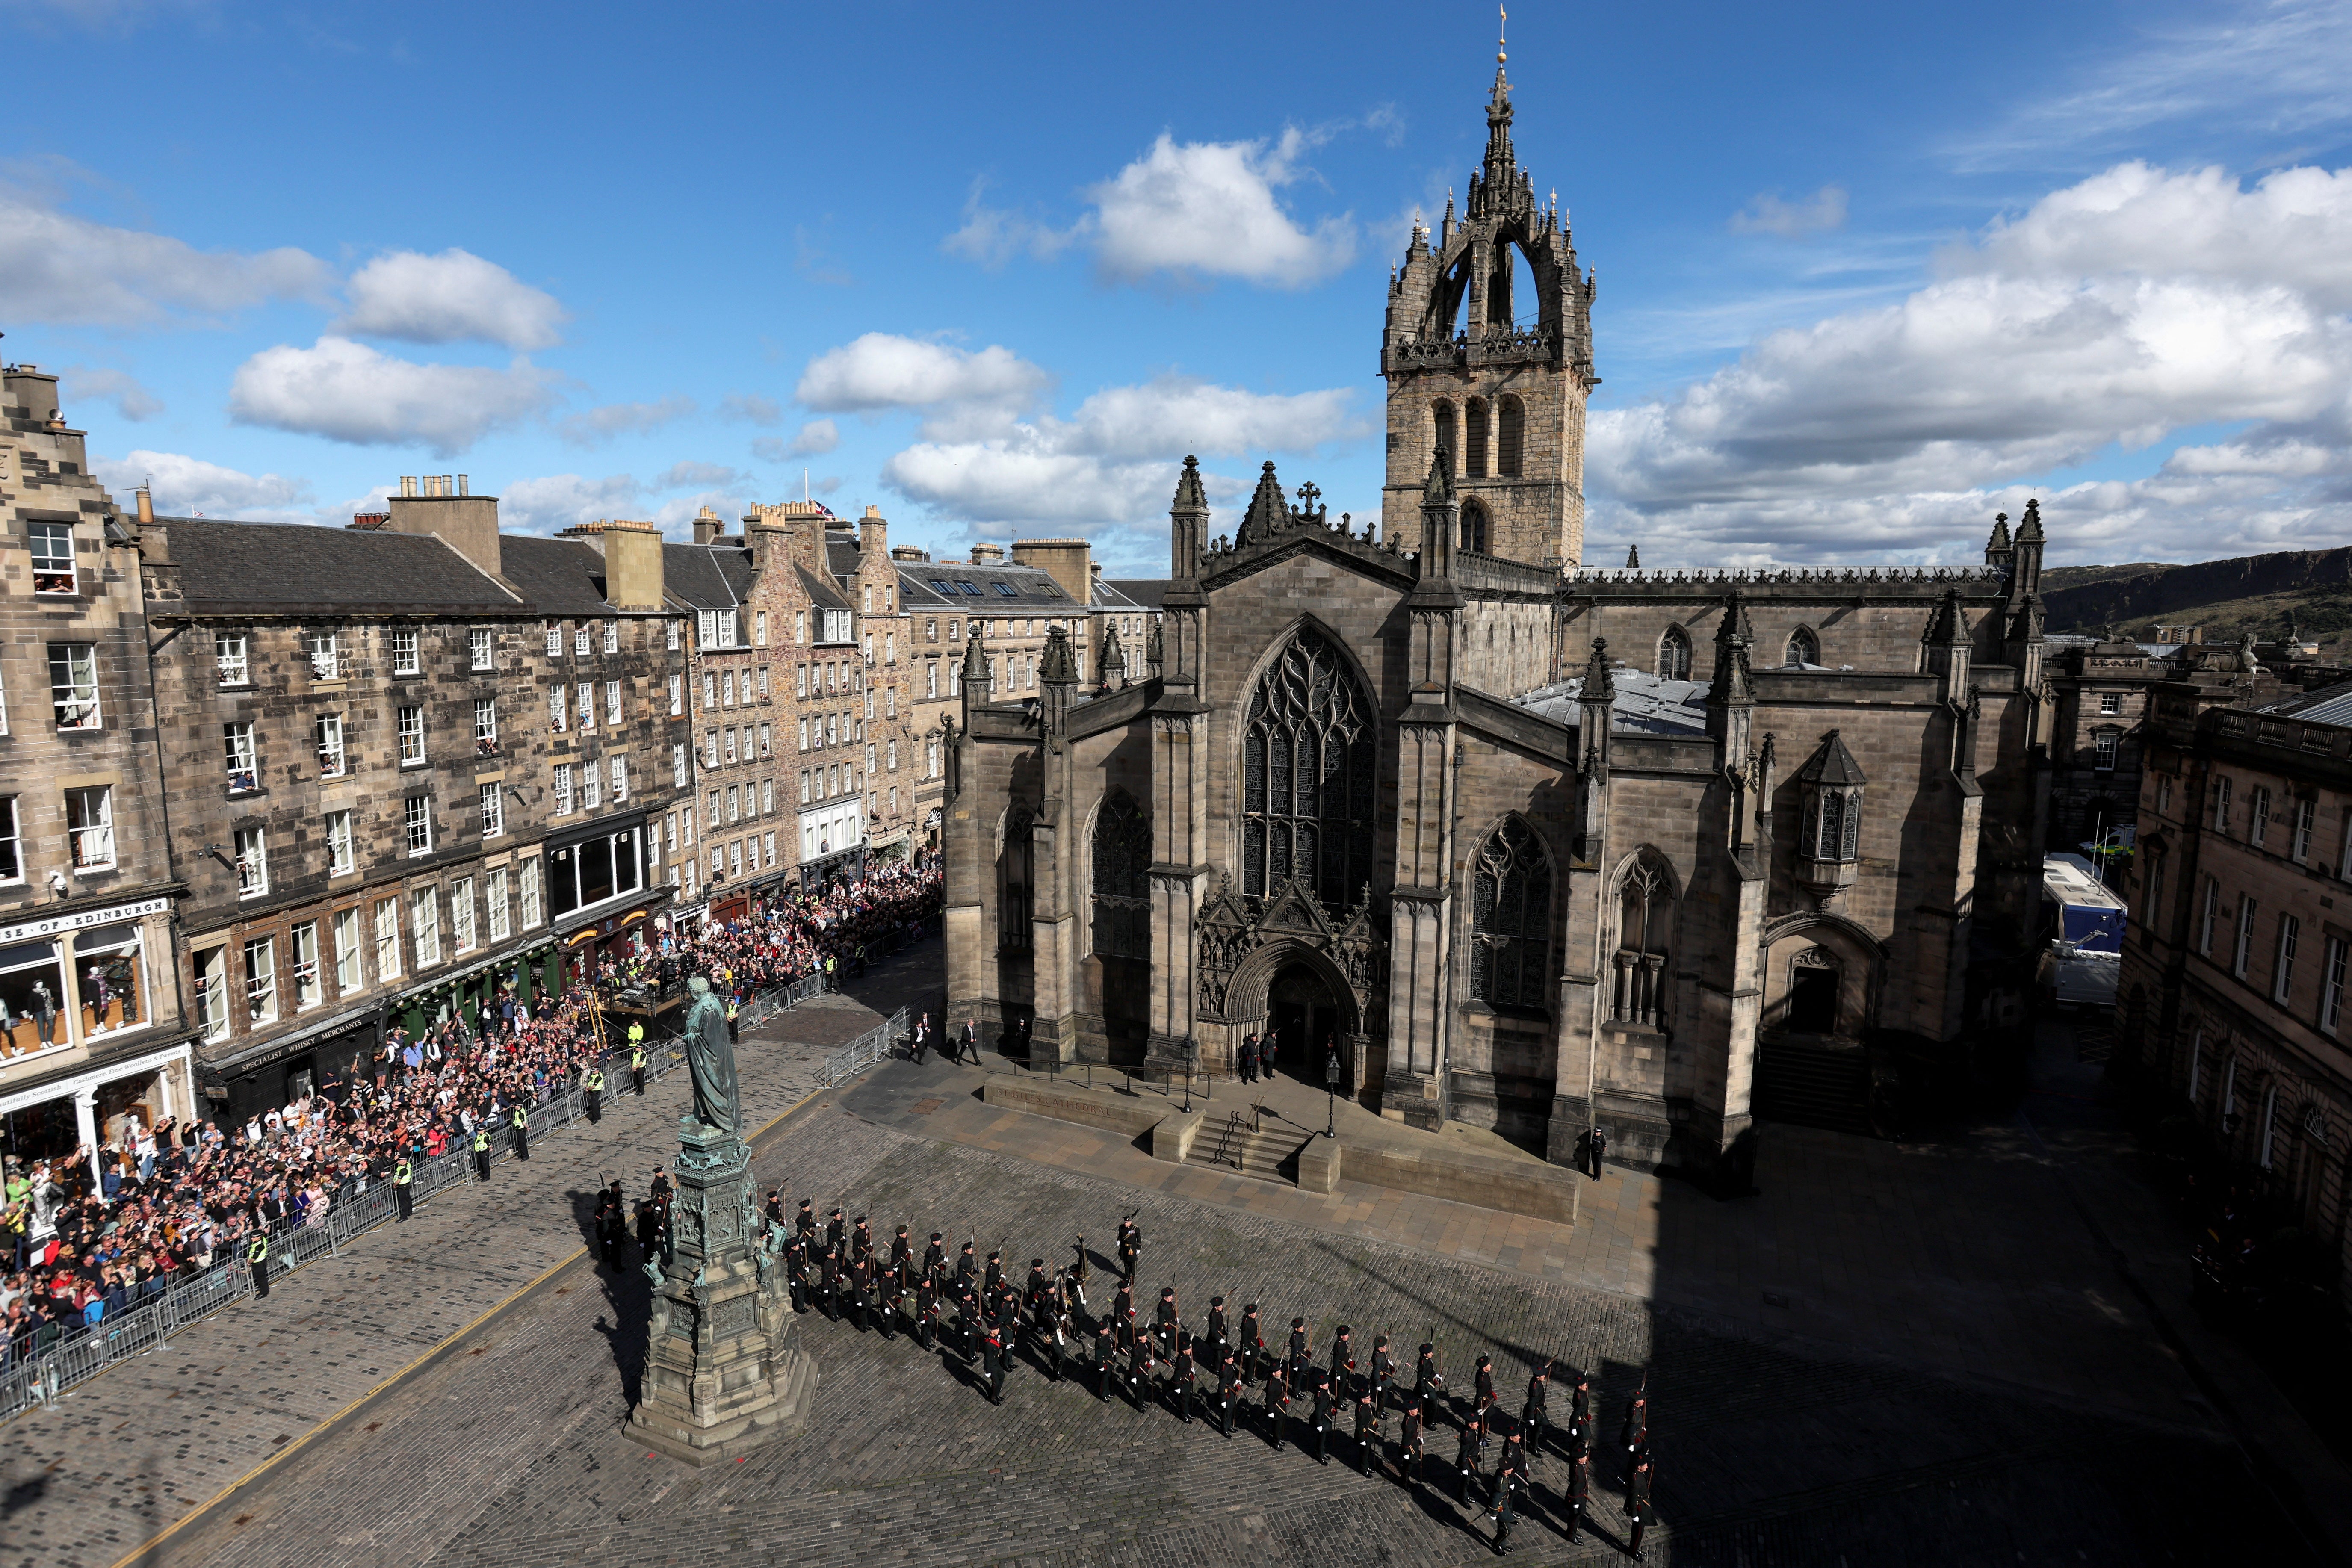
(410, 763)
(2099, 690)
(1525, 844)
(91, 1036)
(2235, 961)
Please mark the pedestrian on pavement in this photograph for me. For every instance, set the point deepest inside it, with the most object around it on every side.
(403, 1188)
(922, 1037)
(971, 1041)
(1596, 1149)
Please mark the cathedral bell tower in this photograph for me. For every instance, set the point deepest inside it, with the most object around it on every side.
(1499, 382)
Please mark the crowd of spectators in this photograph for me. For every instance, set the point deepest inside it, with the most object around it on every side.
(84, 1239)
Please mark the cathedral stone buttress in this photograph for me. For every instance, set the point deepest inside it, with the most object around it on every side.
(1498, 381)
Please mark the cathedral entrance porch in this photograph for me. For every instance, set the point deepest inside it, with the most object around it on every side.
(1305, 1020)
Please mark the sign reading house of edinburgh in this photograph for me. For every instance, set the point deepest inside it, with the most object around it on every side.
(82, 919)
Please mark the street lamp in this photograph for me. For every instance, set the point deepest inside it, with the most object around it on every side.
(1330, 1087)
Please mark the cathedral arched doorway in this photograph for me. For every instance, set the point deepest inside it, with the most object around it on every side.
(1305, 1017)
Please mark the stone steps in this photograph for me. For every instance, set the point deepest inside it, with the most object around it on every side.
(1244, 1152)
(1813, 1084)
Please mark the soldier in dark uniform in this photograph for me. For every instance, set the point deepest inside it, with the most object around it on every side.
(1409, 1445)
(902, 1257)
(1368, 1427)
(1039, 1283)
(1046, 1328)
(828, 1289)
(648, 1225)
(1138, 1363)
(1482, 1392)
(1301, 1352)
(993, 1275)
(967, 1321)
(967, 1271)
(1383, 1373)
(927, 1310)
(1465, 1460)
(1079, 1270)
(775, 1209)
(1105, 1352)
(1180, 1382)
(836, 1232)
(1579, 1414)
(861, 1291)
(1218, 1341)
(1635, 1433)
(1130, 1250)
(1579, 1491)
(890, 1301)
(796, 1272)
(1326, 1414)
(1426, 1381)
(993, 1363)
(1505, 1483)
(861, 1240)
(1065, 1339)
(1343, 1364)
(804, 1222)
(1229, 1391)
(1122, 1300)
(1164, 1318)
(1252, 1344)
(935, 1258)
(1278, 1402)
(1532, 1415)
(1637, 1504)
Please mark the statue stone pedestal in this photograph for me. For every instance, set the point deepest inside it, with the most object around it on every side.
(721, 1372)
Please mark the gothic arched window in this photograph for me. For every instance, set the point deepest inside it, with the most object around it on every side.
(1122, 853)
(1645, 921)
(1804, 648)
(1014, 904)
(1511, 436)
(1473, 528)
(1306, 776)
(1447, 436)
(1674, 655)
(1473, 438)
(1510, 919)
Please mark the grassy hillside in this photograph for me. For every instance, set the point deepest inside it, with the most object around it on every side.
(2261, 593)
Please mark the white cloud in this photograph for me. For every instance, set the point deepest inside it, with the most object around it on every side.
(596, 425)
(678, 476)
(186, 487)
(752, 407)
(122, 389)
(54, 266)
(2117, 313)
(1768, 214)
(455, 297)
(349, 392)
(1202, 209)
(993, 235)
(1114, 462)
(816, 437)
(560, 500)
(965, 393)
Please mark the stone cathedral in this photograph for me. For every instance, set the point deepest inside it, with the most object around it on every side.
(1530, 845)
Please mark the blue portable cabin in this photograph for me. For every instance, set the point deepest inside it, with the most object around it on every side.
(2078, 910)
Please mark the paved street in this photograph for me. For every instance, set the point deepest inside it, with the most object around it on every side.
(1911, 1353)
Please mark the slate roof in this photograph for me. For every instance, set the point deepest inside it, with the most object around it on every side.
(822, 592)
(994, 588)
(915, 592)
(559, 576)
(708, 576)
(1646, 704)
(1143, 593)
(276, 568)
(2328, 705)
(1831, 763)
(840, 552)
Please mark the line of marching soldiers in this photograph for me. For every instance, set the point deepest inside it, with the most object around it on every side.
(973, 1310)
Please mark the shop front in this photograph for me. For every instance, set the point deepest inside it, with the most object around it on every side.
(99, 1106)
(278, 1071)
(602, 903)
(82, 979)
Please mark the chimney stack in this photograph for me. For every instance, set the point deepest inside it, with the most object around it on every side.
(873, 534)
(467, 524)
(633, 566)
(1066, 561)
(987, 554)
(709, 526)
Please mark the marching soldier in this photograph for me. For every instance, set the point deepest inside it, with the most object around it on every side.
(1343, 1363)
(1579, 1414)
(1122, 1300)
(482, 1149)
(1039, 1284)
(1080, 1272)
(967, 1271)
(837, 1231)
(637, 1058)
(1106, 1351)
(1635, 1434)
(993, 1362)
(1483, 1390)
(1252, 1343)
(1218, 1343)
(1383, 1374)
(1130, 1248)
(1066, 1342)
(1409, 1445)
(1164, 1319)
(775, 1209)
(1139, 1363)
(1637, 1505)
(967, 1319)
(804, 1222)
(1278, 1402)
(1046, 1328)
(521, 1123)
(1465, 1459)
(403, 1187)
(1532, 1415)
(1426, 1381)
(1505, 1483)
(1180, 1383)
(1578, 1492)
(1326, 1412)
(902, 1257)
(796, 1272)
(828, 1287)
(1301, 1354)
(591, 1090)
(861, 1290)
(1368, 1429)
(994, 1275)
(861, 1241)
(648, 1227)
(926, 1310)
(1076, 1277)
(1229, 1392)
(257, 1254)
(891, 1299)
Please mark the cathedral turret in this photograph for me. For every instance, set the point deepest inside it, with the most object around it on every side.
(1498, 379)
(976, 682)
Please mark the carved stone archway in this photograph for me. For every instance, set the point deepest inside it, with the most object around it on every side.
(1244, 943)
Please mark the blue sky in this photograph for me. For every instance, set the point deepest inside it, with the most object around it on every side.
(1867, 273)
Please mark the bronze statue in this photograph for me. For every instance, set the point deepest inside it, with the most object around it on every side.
(710, 1058)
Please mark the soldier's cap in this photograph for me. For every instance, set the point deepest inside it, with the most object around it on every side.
(1297, 1322)
(1250, 1308)
(936, 1236)
(1486, 1361)
(1427, 1347)
(1343, 1328)
(1036, 1263)
(1165, 1291)
(1216, 1301)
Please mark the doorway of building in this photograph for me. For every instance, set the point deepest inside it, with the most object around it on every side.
(1302, 1014)
(1812, 997)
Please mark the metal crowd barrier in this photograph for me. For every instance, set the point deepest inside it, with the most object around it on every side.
(865, 1050)
(54, 1365)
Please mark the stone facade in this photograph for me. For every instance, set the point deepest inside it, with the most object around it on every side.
(1529, 847)
(2099, 690)
(2232, 990)
(91, 1033)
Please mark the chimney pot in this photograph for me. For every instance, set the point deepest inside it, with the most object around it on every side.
(462, 487)
(146, 505)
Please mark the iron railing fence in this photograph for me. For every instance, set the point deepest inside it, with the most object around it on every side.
(57, 1360)
(864, 1051)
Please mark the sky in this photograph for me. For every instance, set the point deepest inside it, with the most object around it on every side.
(1868, 274)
